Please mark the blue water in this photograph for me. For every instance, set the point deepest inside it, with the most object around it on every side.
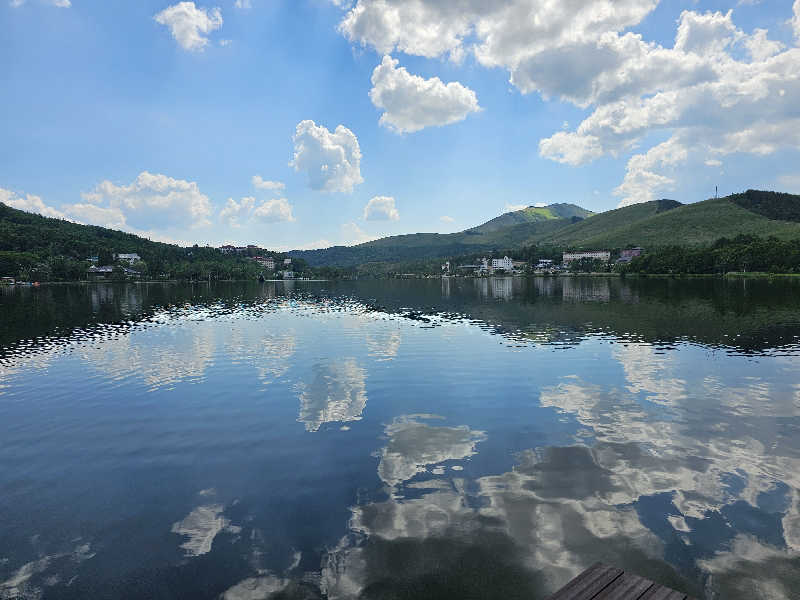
(415, 439)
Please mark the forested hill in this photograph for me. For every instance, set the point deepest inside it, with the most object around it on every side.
(659, 223)
(22, 231)
(33, 247)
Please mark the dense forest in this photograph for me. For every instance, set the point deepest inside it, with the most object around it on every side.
(741, 254)
(36, 248)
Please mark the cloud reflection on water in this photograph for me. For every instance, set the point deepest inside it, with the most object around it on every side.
(337, 393)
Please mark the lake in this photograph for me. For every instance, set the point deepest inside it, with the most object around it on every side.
(455, 438)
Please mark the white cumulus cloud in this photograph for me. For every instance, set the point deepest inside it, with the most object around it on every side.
(29, 203)
(151, 200)
(411, 103)
(247, 209)
(717, 90)
(274, 211)
(717, 101)
(104, 216)
(190, 25)
(332, 160)
(262, 184)
(447, 219)
(381, 208)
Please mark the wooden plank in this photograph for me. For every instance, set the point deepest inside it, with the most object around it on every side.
(659, 592)
(627, 587)
(588, 584)
(591, 572)
(602, 582)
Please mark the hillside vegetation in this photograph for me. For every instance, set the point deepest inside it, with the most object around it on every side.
(533, 214)
(655, 224)
(37, 248)
(521, 228)
(687, 225)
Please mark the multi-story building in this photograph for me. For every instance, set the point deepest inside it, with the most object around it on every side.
(629, 254)
(266, 261)
(503, 264)
(603, 255)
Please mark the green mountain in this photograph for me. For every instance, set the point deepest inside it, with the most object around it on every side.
(533, 214)
(513, 229)
(651, 224)
(666, 222)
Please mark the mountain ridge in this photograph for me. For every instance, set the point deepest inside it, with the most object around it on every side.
(656, 223)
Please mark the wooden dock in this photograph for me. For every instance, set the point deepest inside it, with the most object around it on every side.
(601, 582)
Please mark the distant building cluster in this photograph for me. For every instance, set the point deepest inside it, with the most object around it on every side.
(255, 253)
(603, 255)
(488, 266)
(629, 254)
(266, 261)
(243, 250)
(128, 258)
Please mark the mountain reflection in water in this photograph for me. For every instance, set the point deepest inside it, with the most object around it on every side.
(450, 438)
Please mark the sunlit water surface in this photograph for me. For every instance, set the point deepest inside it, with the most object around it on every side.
(412, 439)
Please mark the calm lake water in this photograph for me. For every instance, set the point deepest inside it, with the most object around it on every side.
(406, 439)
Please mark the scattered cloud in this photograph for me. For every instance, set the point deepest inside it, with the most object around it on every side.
(795, 20)
(262, 184)
(790, 183)
(29, 203)
(513, 207)
(381, 208)
(190, 25)
(104, 216)
(642, 179)
(89, 213)
(332, 160)
(233, 211)
(56, 3)
(447, 219)
(152, 200)
(274, 211)
(352, 234)
(718, 90)
(247, 209)
(713, 162)
(715, 102)
(411, 103)
(315, 245)
(246, 4)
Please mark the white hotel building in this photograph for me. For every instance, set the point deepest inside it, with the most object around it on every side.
(504, 263)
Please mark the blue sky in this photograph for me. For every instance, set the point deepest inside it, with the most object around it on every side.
(155, 116)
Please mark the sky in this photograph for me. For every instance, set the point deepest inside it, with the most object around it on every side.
(297, 124)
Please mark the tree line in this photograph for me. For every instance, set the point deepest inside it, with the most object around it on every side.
(743, 253)
(37, 248)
